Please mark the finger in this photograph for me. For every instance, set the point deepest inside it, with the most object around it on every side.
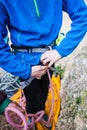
(46, 61)
(44, 55)
(39, 74)
(42, 73)
(39, 70)
(43, 68)
(50, 64)
(38, 78)
(43, 58)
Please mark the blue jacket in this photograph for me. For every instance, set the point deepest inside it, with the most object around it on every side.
(36, 23)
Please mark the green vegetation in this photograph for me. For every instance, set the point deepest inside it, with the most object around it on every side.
(60, 71)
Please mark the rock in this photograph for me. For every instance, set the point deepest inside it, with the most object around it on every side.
(73, 115)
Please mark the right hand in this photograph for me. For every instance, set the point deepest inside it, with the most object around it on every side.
(50, 57)
(38, 71)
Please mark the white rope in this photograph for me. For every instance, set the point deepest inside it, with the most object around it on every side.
(9, 83)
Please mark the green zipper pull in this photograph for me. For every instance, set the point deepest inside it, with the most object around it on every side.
(37, 10)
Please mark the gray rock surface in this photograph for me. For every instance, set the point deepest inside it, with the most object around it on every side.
(73, 115)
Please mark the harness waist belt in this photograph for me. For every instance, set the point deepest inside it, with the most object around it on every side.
(32, 50)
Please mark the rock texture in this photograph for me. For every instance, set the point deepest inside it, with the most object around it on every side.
(73, 115)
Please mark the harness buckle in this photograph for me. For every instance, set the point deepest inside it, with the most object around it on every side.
(49, 47)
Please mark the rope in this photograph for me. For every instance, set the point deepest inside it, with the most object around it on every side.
(20, 114)
(9, 84)
(8, 80)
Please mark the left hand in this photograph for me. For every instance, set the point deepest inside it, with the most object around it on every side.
(50, 57)
(38, 71)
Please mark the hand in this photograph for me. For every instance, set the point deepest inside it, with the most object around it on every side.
(38, 71)
(50, 57)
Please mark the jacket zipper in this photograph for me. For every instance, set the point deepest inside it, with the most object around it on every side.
(37, 9)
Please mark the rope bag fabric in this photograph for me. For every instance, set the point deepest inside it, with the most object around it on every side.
(52, 107)
(52, 104)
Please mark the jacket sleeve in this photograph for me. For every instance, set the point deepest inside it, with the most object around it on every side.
(8, 61)
(77, 11)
